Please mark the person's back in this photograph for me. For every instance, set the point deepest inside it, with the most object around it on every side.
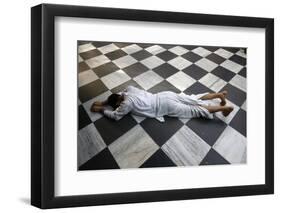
(143, 102)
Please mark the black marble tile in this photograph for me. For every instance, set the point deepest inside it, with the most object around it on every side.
(83, 118)
(243, 72)
(167, 46)
(82, 66)
(105, 69)
(160, 132)
(239, 122)
(191, 56)
(195, 72)
(215, 58)
(135, 69)
(208, 129)
(145, 45)
(158, 159)
(115, 54)
(197, 88)
(91, 90)
(110, 129)
(164, 86)
(235, 95)
(90, 54)
(98, 44)
(166, 55)
(189, 47)
(238, 59)
(211, 48)
(165, 70)
(122, 44)
(213, 158)
(140, 55)
(223, 73)
(232, 49)
(103, 160)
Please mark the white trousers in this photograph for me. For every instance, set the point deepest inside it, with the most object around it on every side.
(182, 105)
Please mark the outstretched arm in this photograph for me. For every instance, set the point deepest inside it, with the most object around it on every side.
(100, 103)
(118, 113)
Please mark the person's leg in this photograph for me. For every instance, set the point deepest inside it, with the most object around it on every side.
(211, 96)
(224, 109)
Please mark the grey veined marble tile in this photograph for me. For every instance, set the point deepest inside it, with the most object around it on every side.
(90, 143)
(232, 146)
(240, 82)
(115, 79)
(132, 149)
(186, 148)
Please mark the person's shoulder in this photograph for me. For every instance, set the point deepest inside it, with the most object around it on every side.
(130, 87)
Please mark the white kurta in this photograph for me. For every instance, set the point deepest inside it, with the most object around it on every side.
(143, 103)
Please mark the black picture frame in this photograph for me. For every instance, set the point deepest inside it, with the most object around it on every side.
(43, 102)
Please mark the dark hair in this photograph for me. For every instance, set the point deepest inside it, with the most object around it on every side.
(112, 100)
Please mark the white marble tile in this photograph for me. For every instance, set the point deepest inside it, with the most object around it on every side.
(184, 120)
(108, 48)
(181, 81)
(241, 53)
(80, 59)
(206, 64)
(155, 49)
(185, 148)
(232, 66)
(244, 106)
(87, 105)
(131, 49)
(115, 79)
(137, 118)
(231, 145)
(90, 143)
(124, 61)
(209, 79)
(86, 77)
(218, 85)
(180, 63)
(239, 82)
(178, 50)
(228, 118)
(148, 79)
(97, 61)
(85, 47)
(223, 53)
(152, 62)
(132, 149)
(213, 82)
(201, 51)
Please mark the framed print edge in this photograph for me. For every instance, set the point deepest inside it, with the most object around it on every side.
(43, 111)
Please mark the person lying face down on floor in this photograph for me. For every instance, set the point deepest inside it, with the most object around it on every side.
(143, 103)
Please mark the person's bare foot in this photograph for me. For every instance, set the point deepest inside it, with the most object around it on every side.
(223, 95)
(227, 110)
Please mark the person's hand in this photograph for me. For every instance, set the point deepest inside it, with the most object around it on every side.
(97, 103)
(96, 108)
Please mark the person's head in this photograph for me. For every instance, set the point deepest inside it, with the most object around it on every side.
(114, 100)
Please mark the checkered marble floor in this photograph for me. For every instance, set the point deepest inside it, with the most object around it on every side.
(132, 142)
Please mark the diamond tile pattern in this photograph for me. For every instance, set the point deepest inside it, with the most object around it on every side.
(137, 142)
